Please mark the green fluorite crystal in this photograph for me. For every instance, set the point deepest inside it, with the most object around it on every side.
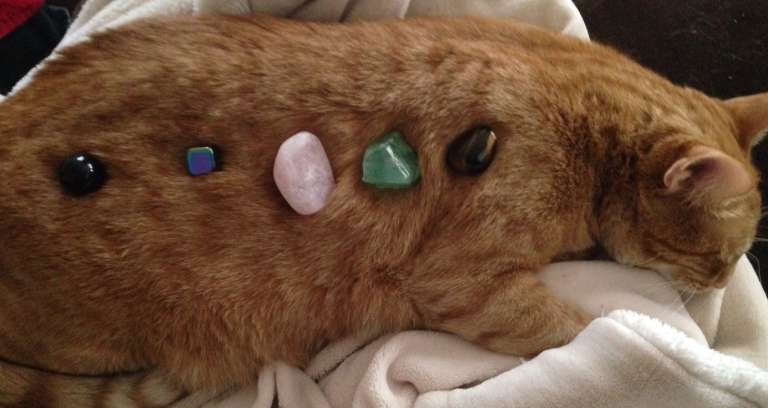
(390, 163)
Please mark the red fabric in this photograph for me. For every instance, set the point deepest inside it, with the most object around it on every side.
(14, 12)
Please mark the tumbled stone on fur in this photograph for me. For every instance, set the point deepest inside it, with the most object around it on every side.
(390, 163)
(303, 173)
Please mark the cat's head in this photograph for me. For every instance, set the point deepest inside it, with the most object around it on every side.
(693, 208)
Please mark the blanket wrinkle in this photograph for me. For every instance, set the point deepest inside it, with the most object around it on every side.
(332, 356)
(744, 379)
(648, 348)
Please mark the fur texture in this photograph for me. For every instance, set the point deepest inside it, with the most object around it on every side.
(210, 278)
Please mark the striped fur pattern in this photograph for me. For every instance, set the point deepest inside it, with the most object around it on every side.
(211, 278)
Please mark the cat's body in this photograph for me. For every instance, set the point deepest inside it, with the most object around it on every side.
(211, 277)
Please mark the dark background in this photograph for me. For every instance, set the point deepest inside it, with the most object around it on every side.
(71, 5)
(716, 46)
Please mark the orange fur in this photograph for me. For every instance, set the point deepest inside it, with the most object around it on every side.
(212, 277)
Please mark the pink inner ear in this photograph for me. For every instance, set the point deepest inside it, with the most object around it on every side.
(708, 173)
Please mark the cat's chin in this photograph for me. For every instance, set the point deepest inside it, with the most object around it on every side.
(685, 285)
(692, 289)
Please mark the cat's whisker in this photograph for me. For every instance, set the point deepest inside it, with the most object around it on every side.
(670, 306)
(693, 294)
(684, 302)
(666, 289)
(685, 296)
(757, 261)
(650, 288)
(648, 260)
(690, 290)
(666, 283)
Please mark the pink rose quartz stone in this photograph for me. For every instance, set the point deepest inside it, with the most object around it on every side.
(303, 173)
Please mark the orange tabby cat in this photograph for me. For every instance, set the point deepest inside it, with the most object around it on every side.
(209, 278)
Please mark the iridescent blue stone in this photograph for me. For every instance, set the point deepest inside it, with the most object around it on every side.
(201, 160)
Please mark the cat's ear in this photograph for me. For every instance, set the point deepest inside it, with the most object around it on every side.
(750, 113)
(707, 175)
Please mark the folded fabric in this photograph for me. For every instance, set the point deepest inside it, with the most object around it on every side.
(30, 42)
(14, 12)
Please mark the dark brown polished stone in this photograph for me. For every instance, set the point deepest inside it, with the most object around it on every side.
(472, 152)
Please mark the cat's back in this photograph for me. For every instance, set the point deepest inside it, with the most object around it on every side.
(418, 69)
(216, 52)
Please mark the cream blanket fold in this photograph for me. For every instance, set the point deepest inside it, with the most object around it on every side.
(650, 347)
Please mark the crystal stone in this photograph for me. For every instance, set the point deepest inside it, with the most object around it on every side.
(303, 173)
(390, 163)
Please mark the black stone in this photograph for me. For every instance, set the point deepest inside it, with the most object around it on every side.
(82, 174)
